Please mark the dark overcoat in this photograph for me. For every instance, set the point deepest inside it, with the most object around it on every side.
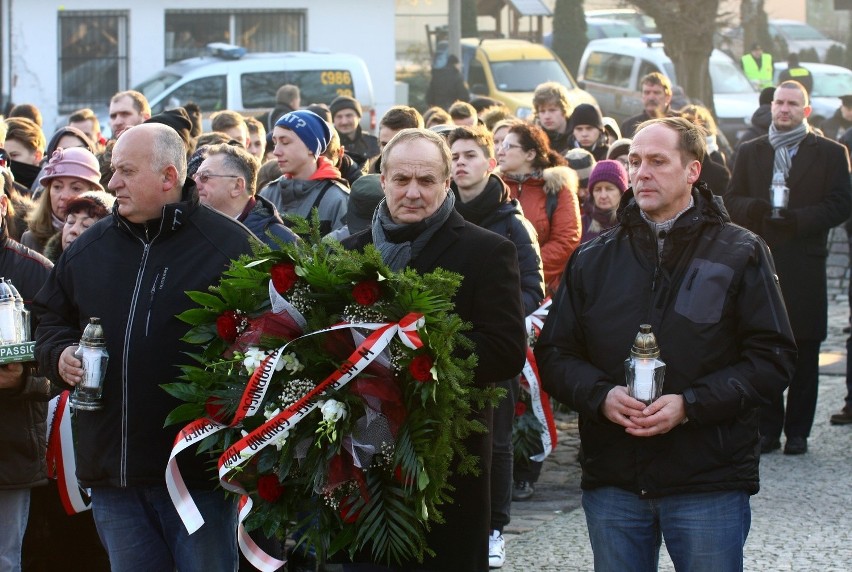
(820, 198)
(490, 299)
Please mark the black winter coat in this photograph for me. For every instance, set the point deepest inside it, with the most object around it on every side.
(504, 216)
(135, 278)
(263, 218)
(820, 198)
(716, 310)
(488, 298)
(23, 410)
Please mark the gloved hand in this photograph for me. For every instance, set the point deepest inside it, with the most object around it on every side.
(779, 230)
(757, 209)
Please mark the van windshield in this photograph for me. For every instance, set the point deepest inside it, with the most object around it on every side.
(525, 75)
(156, 85)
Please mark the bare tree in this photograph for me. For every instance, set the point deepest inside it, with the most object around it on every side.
(755, 27)
(687, 28)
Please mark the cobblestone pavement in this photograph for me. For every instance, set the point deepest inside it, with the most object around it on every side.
(801, 519)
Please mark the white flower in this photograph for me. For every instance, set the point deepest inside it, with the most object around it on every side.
(332, 410)
(291, 362)
(254, 357)
(281, 439)
(269, 413)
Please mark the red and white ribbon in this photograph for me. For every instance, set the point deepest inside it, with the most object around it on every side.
(531, 383)
(366, 352)
(61, 464)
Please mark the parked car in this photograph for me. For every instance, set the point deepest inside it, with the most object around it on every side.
(635, 18)
(830, 84)
(510, 70)
(611, 70)
(798, 36)
(247, 82)
(597, 28)
(792, 36)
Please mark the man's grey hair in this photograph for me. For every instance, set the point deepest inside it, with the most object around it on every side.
(412, 134)
(237, 159)
(169, 149)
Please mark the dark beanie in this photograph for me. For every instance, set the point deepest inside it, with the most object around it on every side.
(581, 161)
(619, 148)
(767, 94)
(365, 195)
(320, 109)
(178, 119)
(342, 102)
(586, 114)
(194, 113)
(611, 172)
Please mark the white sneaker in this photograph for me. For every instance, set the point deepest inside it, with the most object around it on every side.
(496, 550)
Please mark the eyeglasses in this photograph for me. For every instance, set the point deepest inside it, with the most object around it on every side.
(204, 177)
(505, 146)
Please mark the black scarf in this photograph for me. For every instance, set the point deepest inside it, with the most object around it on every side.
(485, 203)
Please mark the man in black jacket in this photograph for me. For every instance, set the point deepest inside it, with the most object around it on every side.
(816, 172)
(682, 465)
(132, 269)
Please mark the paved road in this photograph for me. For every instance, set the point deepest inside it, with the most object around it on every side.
(801, 519)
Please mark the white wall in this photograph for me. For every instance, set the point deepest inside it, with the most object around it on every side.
(365, 29)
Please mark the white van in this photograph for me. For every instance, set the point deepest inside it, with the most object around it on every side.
(232, 79)
(612, 68)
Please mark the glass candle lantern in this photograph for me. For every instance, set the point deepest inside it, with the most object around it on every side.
(93, 353)
(644, 371)
(779, 193)
(9, 315)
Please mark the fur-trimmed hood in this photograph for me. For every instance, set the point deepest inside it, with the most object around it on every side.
(555, 179)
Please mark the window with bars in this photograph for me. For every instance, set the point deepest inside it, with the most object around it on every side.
(92, 57)
(189, 31)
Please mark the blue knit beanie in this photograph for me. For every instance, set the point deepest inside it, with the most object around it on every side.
(309, 127)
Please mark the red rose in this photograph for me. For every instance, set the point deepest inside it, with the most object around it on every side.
(283, 276)
(406, 480)
(215, 409)
(367, 292)
(227, 326)
(420, 367)
(520, 408)
(268, 488)
(347, 514)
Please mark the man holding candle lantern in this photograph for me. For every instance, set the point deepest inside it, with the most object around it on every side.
(813, 173)
(683, 467)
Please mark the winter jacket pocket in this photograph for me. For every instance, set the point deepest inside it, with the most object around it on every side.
(703, 292)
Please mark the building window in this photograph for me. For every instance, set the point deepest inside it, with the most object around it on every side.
(189, 31)
(92, 57)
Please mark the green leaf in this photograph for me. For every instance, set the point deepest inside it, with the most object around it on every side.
(185, 391)
(207, 300)
(184, 412)
(198, 316)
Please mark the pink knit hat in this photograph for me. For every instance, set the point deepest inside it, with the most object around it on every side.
(74, 162)
(611, 172)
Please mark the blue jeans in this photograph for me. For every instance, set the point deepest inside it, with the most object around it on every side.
(14, 511)
(141, 530)
(704, 532)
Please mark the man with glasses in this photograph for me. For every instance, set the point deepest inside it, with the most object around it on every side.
(226, 182)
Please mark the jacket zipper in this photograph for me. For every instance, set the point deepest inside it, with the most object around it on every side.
(134, 301)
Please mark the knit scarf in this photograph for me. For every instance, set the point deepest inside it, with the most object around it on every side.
(489, 200)
(400, 243)
(784, 143)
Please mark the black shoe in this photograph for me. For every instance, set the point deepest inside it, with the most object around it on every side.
(768, 445)
(796, 446)
(842, 418)
(523, 490)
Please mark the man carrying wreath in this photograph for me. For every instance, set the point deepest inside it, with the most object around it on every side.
(417, 226)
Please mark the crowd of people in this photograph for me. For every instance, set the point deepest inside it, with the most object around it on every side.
(656, 221)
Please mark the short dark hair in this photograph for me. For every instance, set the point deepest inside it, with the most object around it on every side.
(240, 160)
(476, 133)
(692, 138)
(402, 117)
